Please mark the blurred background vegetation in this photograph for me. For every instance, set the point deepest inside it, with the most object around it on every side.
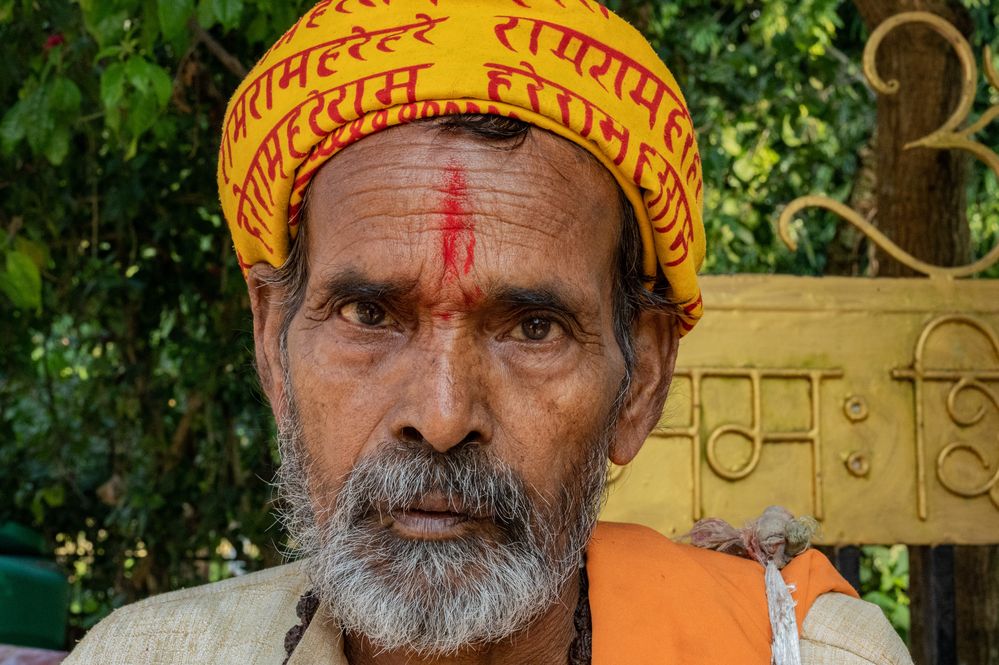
(132, 431)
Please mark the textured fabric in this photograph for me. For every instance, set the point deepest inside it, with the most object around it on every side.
(841, 630)
(11, 655)
(245, 620)
(240, 620)
(350, 68)
(714, 604)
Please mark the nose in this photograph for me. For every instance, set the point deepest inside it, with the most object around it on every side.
(444, 401)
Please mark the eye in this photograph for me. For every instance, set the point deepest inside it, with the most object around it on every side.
(365, 313)
(536, 329)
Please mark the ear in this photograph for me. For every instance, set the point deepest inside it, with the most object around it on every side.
(656, 341)
(265, 302)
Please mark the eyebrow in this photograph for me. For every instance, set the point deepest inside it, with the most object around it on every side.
(578, 317)
(352, 284)
(545, 297)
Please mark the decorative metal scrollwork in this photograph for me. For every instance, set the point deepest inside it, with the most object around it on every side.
(947, 136)
(965, 382)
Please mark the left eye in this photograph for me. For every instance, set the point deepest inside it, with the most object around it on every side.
(365, 313)
(535, 329)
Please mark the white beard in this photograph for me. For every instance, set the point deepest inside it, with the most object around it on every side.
(435, 597)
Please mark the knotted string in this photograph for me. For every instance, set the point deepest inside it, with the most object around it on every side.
(772, 540)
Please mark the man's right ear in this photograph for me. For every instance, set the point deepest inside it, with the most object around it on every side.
(268, 312)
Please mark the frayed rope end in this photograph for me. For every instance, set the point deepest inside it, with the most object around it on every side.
(772, 540)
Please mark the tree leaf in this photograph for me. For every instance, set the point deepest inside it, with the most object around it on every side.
(57, 146)
(883, 601)
(228, 12)
(149, 33)
(162, 84)
(64, 97)
(900, 617)
(173, 15)
(137, 73)
(36, 251)
(21, 281)
(730, 141)
(142, 114)
(147, 77)
(205, 14)
(113, 85)
(54, 495)
(39, 123)
(12, 128)
(105, 21)
(744, 169)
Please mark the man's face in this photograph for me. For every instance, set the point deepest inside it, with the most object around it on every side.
(458, 294)
(450, 383)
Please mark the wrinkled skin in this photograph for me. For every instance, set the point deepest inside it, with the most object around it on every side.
(408, 332)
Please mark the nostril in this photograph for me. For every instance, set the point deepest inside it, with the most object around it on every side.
(471, 438)
(411, 435)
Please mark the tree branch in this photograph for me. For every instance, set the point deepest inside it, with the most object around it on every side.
(228, 60)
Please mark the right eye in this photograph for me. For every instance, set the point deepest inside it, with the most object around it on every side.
(535, 328)
(366, 313)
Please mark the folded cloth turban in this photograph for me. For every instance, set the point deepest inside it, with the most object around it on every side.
(349, 68)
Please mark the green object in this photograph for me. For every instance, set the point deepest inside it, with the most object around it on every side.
(34, 593)
(33, 600)
(18, 539)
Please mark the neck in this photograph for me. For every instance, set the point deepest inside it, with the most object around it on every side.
(546, 640)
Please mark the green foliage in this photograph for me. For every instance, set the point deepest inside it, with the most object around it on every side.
(131, 430)
(43, 115)
(21, 279)
(983, 215)
(884, 581)
(781, 110)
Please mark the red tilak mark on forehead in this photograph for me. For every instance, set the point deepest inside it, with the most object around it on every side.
(458, 232)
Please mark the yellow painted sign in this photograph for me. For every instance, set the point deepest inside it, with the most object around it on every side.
(872, 405)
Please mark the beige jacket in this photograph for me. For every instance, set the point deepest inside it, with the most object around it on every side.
(244, 620)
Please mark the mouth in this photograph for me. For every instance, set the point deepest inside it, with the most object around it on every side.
(433, 516)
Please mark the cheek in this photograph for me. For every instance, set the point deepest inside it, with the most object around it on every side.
(548, 427)
(339, 409)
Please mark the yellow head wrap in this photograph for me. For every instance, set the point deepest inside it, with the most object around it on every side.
(349, 68)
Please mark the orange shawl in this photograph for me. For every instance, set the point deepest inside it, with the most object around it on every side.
(654, 601)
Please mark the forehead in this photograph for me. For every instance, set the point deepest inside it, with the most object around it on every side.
(394, 205)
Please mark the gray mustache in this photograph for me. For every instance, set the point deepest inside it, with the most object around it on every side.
(400, 475)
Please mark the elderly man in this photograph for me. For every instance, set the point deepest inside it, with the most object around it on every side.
(470, 231)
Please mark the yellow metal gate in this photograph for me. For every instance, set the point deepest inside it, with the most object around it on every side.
(871, 404)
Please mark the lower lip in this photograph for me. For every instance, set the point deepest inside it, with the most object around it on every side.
(428, 525)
